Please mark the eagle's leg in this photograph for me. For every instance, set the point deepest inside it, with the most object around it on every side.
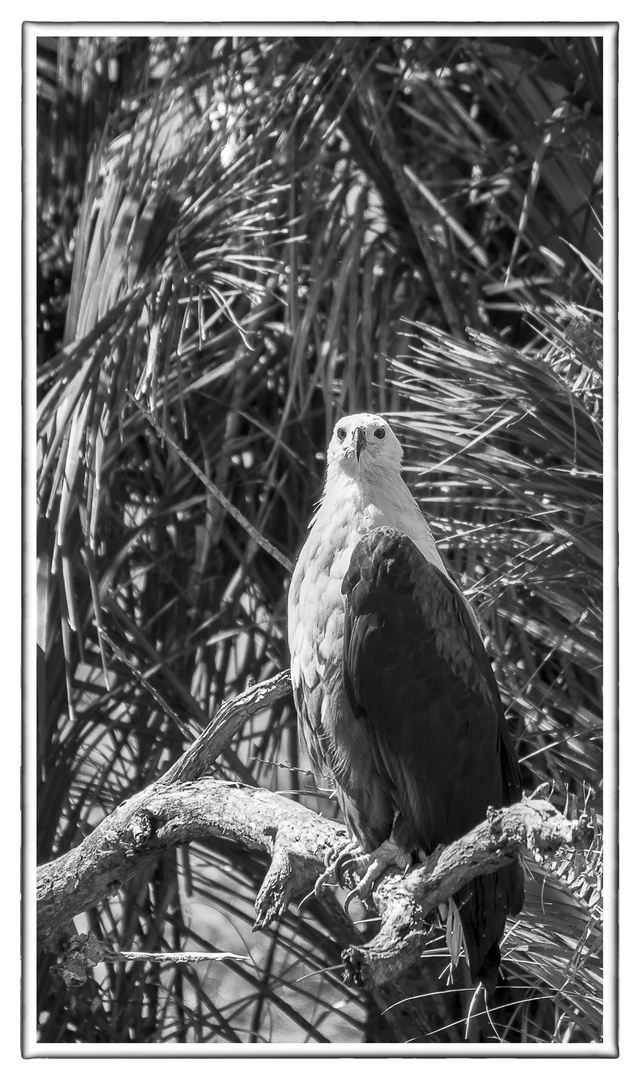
(373, 866)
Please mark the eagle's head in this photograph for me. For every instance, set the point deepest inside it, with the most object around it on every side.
(363, 445)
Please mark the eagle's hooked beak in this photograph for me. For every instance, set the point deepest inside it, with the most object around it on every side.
(359, 440)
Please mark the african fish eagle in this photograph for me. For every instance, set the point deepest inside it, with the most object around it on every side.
(395, 695)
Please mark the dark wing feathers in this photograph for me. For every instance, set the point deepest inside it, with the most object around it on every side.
(417, 673)
(418, 678)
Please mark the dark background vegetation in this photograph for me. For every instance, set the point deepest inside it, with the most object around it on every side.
(251, 237)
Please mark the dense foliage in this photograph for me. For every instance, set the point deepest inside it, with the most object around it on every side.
(250, 237)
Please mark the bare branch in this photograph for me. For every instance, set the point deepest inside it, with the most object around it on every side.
(225, 724)
(185, 805)
(161, 817)
(531, 825)
(176, 957)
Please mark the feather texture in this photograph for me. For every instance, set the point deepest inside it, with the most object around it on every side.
(395, 694)
(417, 677)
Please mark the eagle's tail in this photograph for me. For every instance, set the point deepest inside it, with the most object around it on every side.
(482, 907)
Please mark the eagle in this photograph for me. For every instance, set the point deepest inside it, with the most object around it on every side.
(394, 691)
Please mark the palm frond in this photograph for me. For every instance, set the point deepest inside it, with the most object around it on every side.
(247, 237)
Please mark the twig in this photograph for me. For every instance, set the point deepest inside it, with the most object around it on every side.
(174, 957)
(227, 722)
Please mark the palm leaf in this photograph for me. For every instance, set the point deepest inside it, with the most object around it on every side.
(248, 237)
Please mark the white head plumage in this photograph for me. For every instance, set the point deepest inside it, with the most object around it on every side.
(363, 444)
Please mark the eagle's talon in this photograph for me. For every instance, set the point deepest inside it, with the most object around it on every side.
(373, 866)
(350, 897)
(327, 877)
(334, 862)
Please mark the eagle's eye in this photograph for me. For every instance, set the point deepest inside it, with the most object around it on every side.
(379, 433)
(341, 433)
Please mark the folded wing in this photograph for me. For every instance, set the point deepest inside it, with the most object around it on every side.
(418, 678)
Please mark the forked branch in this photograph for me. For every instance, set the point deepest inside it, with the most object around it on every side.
(186, 805)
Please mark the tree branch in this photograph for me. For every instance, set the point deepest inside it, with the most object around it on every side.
(184, 806)
(532, 825)
(226, 723)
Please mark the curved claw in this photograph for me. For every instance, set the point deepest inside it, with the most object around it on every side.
(351, 896)
(373, 866)
(370, 866)
(326, 878)
(351, 854)
(335, 863)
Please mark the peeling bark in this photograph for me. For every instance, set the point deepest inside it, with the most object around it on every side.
(185, 805)
(532, 825)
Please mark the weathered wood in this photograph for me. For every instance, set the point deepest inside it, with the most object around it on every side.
(532, 825)
(185, 805)
(161, 817)
(227, 722)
